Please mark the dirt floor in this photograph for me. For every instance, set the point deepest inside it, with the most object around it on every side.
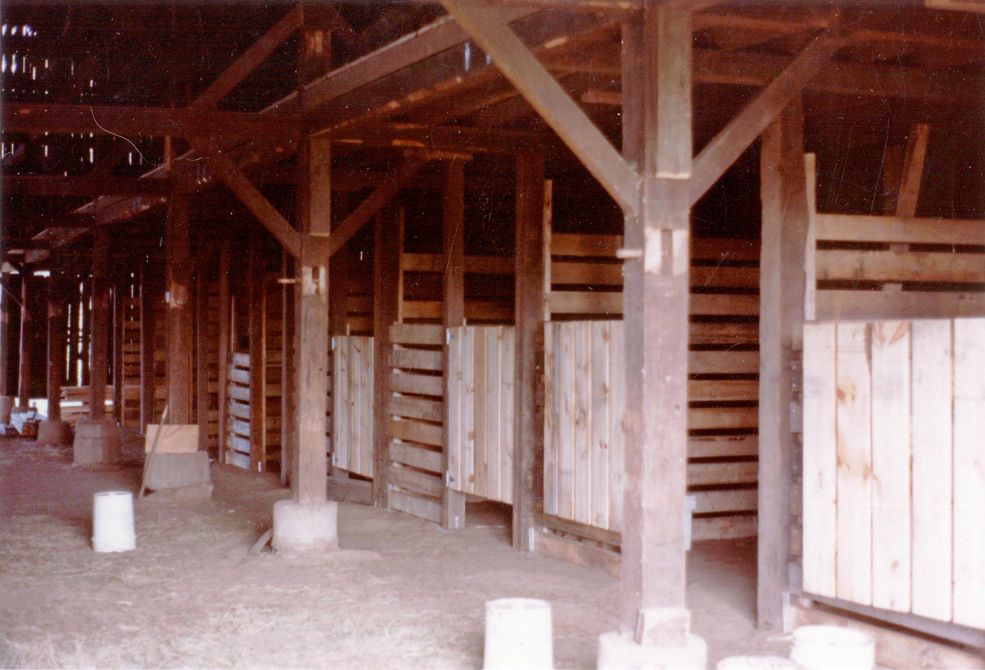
(402, 594)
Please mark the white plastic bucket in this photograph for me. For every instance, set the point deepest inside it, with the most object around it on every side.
(112, 522)
(518, 634)
(756, 663)
(833, 647)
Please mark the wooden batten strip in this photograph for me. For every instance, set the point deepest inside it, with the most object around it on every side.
(419, 334)
(895, 229)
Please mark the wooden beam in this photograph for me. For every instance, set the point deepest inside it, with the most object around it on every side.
(118, 316)
(913, 162)
(257, 306)
(489, 28)
(99, 332)
(532, 216)
(255, 201)
(148, 294)
(384, 193)
(255, 54)
(453, 316)
(657, 66)
(782, 289)
(24, 360)
(225, 305)
(445, 138)
(180, 311)
(742, 131)
(287, 368)
(56, 342)
(42, 117)
(203, 339)
(6, 337)
(70, 187)
(386, 272)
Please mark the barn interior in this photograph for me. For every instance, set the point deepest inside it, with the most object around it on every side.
(669, 313)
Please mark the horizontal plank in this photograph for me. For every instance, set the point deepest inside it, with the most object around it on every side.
(723, 528)
(419, 506)
(724, 276)
(359, 324)
(240, 359)
(486, 310)
(239, 375)
(239, 392)
(892, 229)
(891, 266)
(570, 527)
(699, 390)
(415, 481)
(722, 418)
(596, 274)
(239, 460)
(585, 302)
(723, 304)
(722, 446)
(408, 382)
(416, 431)
(712, 502)
(417, 457)
(420, 309)
(723, 362)
(574, 244)
(237, 443)
(706, 474)
(416, 408)
(416, 359)
(844, 305)
(240, 410)
(473, 264)
(728, 334)
(420, 334)
(239, 427)
(549, 545)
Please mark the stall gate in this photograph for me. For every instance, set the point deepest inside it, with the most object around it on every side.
(894, 466)
(352, 397)
(479, 397)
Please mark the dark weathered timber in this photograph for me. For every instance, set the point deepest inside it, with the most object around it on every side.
(24, 376)
(225, 307)
(180, 311)
(386, 271)
(72, 187)
(287, 370)
(528, 410)
(257, 305)
(6, 320)
(148, 294)
(656, 319)
(453, 313)
(99, 334)
(782, 286)
(203, 338)
(488, 27)
(56, 343)
(117, 367)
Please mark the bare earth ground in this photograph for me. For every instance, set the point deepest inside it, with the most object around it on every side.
(403, 594)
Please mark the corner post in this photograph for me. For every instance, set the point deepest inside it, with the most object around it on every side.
(180, 306)
(386, 274)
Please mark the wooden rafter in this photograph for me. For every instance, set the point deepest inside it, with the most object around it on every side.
(446, 138)
(266, 213)
(742, 131)
(489, 27)
(66, 187)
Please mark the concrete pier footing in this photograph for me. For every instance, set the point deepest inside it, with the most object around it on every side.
(96, 442)
(305, 527)
(55, 432)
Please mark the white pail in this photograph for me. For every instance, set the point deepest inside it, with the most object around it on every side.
(518, 634)
(112, 521)
(756, 663)
(833, 647)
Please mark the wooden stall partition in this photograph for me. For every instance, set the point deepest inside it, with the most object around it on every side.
(130, 354)
(238, 410)
(414, 411)
(273, 341)
(352, 397)
(894, 466)
(479, 393)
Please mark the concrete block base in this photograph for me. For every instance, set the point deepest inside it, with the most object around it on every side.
(96, 442)
(621, 652)
(55, 432)
(305, 527)
(6, 407)
(172, 471)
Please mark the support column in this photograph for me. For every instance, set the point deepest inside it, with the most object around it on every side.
(225, 307)
(309, 522)
(119, 314)
(6, 389)
(782, 281)
(180, 305)
(147, 295)
(453, 313)
(25, 361)
(53, 430)
(386, 277)
(256, 297)
(287, 366)
(528, 459)
(203, 336)
(655, 623)
(97, 439)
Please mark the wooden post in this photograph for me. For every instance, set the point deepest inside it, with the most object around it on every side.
(528, 458)
(119, 315)
(56, 340)
(453, 314)
(75, 308)
(258, 353)
(310, 463)
(386, 271)
(27, 332)
(6, 308)
(180, 305)
(99, 333)
(202, 338)
(657, 138)
(287, 367)
(147, 297)
(782, 284)
(85, 332)
(224, 336)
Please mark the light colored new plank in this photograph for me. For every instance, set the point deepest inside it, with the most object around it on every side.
(853, 425)
(969, 472)
(932, 377)
(891, 465)
(416, 359)
(416, 408)
(598, 388)
(723, 528)
(723, 362)
(493, 427)
(414, 480)
(722, 418)
(424, 459)
(480, 408)
(239, 375)
(893, 229)
(416, 431)
(367, 395)
(585, 302)
(453, 409)
(506, 413)
(713, 502)
(582, 412)
(468, 410)
(705, 474)
(565, 358)
(241, 360)
(341, 438)
(415, 505)
(722, 446)
(551, 398)
(420, 334)
(617, 407)
(819, 459)
(844, 304)
(722, 390)
(406, 382)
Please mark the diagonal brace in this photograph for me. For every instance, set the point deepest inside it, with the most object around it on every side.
(488, 27)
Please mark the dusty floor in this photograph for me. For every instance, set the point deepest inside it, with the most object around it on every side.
(405, 594)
